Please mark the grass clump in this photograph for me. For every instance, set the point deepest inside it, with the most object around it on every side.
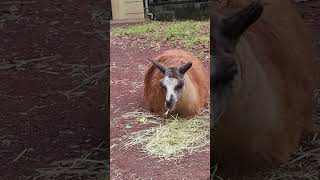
(185, 33)
(137, 30)
(174, 138)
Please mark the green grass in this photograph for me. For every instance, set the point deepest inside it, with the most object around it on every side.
(184, 33)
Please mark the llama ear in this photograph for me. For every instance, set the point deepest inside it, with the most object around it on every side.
(159, 66)
(238, 23)
(184, 68)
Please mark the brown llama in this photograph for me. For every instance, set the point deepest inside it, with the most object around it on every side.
(176, 83)
(262, 84)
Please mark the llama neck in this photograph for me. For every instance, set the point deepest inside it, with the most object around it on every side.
(253, 107)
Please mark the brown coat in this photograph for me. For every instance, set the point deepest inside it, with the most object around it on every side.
(273, 107)
(196, 93)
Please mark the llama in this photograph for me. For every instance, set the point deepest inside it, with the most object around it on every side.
(262, 81)
(176, 83)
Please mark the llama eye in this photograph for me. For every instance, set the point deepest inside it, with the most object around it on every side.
(162, 86)
(179, 86)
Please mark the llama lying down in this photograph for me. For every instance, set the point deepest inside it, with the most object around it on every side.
(262, 75)
(176, 83)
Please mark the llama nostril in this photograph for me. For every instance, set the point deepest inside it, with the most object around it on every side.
(169, 104)
(171, 98)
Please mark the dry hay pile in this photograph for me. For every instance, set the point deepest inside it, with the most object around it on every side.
(171, 138)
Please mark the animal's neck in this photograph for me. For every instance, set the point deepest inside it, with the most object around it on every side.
(252, 108)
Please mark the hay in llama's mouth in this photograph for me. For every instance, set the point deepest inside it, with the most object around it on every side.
(173, 137)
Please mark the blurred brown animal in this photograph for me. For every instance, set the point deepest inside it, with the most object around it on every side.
(262, 79)
(176, 83)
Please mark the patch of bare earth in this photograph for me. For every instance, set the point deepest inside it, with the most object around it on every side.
(52, 91)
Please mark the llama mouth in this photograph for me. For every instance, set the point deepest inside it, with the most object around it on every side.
(166, 113)
(169, 110)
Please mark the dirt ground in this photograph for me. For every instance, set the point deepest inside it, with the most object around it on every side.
(47, 49)
(128, 63)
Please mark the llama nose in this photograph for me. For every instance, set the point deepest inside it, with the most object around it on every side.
(169, 103)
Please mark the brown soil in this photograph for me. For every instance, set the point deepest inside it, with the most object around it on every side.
(39, 125)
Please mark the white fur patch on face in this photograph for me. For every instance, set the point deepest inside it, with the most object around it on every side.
(170, 84)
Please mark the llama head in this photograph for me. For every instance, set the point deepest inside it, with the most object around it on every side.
(173, 83)
(224, 37)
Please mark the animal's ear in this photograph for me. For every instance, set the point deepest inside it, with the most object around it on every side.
(184, 68)
(238, 23)
(159, 66)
